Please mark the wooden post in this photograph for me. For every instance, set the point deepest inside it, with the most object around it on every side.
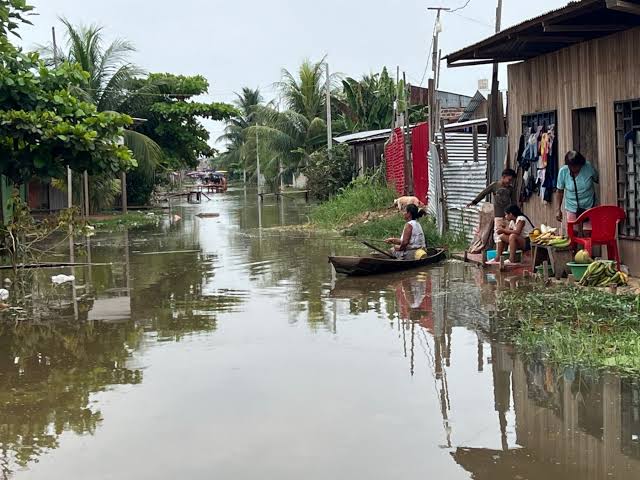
(85, 189)
(443, 137)
(123, 180)
(408, 161)
(545, 271)
(476, 151)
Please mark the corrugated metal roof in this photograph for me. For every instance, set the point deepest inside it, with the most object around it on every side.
(549, 32)
(363, 136)
(468, 123)
(475, 102)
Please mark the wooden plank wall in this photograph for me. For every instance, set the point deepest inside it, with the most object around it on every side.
(590, 74)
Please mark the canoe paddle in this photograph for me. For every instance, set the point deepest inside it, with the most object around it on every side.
(379, 250)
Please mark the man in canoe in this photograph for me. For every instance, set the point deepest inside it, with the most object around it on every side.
(412, 244)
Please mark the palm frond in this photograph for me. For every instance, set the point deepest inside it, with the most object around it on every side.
(147, 152)
(115, 92)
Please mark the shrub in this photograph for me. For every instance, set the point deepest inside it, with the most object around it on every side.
(328, 174)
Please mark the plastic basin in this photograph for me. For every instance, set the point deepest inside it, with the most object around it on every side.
(578, 269)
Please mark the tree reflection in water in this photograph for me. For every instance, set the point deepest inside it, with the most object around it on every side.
(51, 364)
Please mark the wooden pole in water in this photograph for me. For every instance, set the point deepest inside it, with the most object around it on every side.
(69, 173)
(258, 165)
(123, 180)
(328, 101)
(85, 190)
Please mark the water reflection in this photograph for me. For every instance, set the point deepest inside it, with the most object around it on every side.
(397, 376)
(565, 423)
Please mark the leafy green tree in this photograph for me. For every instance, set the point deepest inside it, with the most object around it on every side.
(109, 83)
(328, 174)
(174, 118)
(44, 128)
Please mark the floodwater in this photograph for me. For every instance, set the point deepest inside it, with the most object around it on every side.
(213, 348)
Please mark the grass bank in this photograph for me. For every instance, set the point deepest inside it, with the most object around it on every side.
(365, 211)
(575, 327)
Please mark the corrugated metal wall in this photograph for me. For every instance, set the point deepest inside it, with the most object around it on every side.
(463, 179)
(57, 199)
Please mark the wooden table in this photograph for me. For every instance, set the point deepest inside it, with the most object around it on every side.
(557, 257)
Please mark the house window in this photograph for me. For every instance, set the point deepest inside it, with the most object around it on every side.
(627, 117)
(543, 119)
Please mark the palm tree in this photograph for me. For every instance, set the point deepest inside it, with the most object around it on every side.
(305, 94)
(289, 137)
(110, 82)
(235, 132)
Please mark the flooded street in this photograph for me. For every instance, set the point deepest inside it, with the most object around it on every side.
(213, 348)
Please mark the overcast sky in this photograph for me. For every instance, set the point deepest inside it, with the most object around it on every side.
(248, 42)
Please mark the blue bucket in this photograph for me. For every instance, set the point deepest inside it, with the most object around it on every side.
(491, 255)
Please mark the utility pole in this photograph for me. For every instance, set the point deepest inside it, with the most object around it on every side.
(494, 117)
(328, 102)
(69, 173)
(435, 61)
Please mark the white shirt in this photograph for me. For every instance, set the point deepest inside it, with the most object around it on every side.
(417, 239)
(526, 230)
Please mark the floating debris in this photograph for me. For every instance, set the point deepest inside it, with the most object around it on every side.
(60, 279)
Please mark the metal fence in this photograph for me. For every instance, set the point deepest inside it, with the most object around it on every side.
(462, 179)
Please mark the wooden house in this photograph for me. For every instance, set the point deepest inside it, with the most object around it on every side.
(578, 70)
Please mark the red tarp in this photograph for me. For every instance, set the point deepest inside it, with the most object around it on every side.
(394, 156)
(420, 149)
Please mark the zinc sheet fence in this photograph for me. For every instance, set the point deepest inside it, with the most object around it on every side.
(463, 178)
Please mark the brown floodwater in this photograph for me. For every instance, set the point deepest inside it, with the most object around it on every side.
(223, 348)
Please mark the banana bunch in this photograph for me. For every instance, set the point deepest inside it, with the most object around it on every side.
(552, 240)
(603, 274)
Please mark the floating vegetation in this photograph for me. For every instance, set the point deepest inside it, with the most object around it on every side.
(574, 327)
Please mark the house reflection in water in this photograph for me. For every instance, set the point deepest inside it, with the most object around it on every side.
(568, 424)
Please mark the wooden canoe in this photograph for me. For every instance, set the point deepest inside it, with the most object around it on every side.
(377, 264)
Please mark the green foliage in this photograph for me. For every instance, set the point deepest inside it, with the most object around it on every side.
(236, 158)
(23, 235)
(140, 188)
(130, 221)
(108, 84)
(368, 104)
(44, 127)
(12, 14)
(327, 173)
(305, 93)
(178, 110)
(575, 326)
(172, 120)
(358, 198)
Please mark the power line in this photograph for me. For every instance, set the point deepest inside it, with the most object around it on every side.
(484, 24)
(426, 67)
(460, 8)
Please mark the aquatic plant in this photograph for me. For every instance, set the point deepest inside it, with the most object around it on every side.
(574, 326)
